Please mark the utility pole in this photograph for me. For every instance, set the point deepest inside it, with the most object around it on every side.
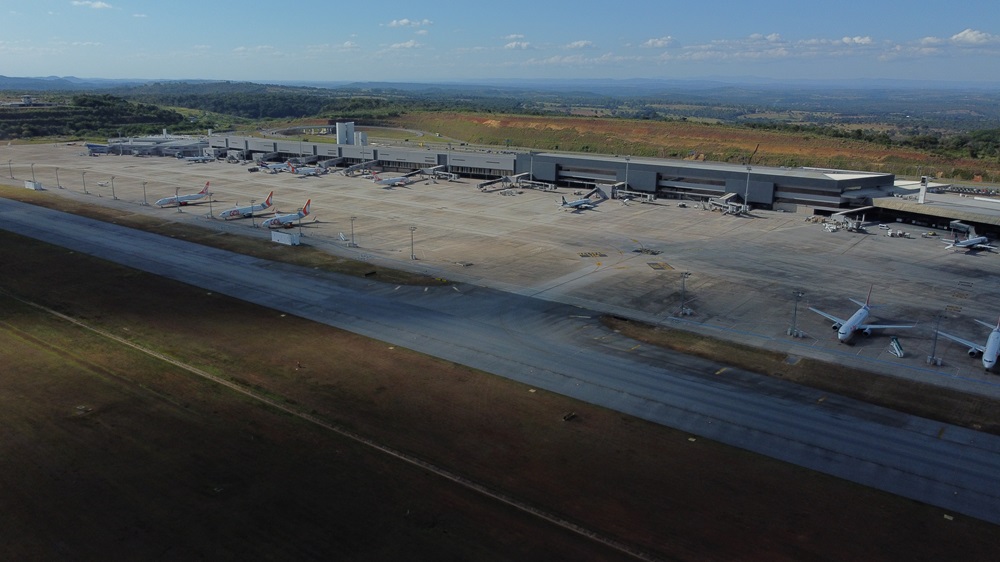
(352, 244)
(413, 255)
(933, 359)
(144, 195)
(683, 309)
(83, 175)
(113, 196)
(59, 185)
(794, 330)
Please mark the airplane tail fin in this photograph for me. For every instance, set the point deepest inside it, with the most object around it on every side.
(869, 299)
(267, 202)
(204, 190)
(305, 208)
(291, 167)
(563, 199)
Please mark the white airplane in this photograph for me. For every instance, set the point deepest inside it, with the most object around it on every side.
(400, 181)
(273, 168)
(198, 159)
(972, 243)
(307, 170)
(247, 211)
(287, 221)
(990, 351)
(857, 321)
(584, 203)
(182, 200)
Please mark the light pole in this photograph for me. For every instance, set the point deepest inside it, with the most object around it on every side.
(746, 194)
(352, 244)
(627, 159)
(113, 196)
(684, 276)
(84, 176)
(413, 256)
(59, 185)
(32, 172)
(144, 194)
(933, 359)
(10, 169)
(531, 167)
(177, 199)
(794, 330)
(253, 222)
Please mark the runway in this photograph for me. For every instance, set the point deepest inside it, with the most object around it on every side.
(565, 349)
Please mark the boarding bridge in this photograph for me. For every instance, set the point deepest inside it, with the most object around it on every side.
(350, 170)
(503, 182)
(643, 196)
(727, 205)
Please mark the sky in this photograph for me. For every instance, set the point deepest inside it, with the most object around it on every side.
(455, 41)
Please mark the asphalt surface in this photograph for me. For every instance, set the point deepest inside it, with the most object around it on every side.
(563, 348)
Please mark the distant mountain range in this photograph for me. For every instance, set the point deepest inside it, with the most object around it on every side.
(628, 87)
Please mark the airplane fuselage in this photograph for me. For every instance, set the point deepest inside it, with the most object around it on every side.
(991, 350)
(847, 329)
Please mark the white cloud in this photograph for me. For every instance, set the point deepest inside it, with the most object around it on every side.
(659, 42)
(409, 23)
(580, 45)
(973, 37)
(521, 45)
(420, 32)
(95, 5)
(513, 37)
(857, 40)
(411, 44)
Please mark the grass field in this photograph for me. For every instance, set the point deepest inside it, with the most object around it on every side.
(109, 449)
(691, 140)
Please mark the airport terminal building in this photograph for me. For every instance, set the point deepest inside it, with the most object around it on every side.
(761, 186)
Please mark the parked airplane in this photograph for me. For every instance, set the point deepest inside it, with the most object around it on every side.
(247, 211)
(306, 171)
(971, 243)
(182, 200)
(400, 181)
(198, 159)
(273, 168)
(584, 203)
(990, 351)
(846, 328)
(287, 221)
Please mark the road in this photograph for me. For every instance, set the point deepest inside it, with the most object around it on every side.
(563, 348)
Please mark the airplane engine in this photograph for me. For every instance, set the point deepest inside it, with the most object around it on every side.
(973, 352)
(868, 331)
(835, 327)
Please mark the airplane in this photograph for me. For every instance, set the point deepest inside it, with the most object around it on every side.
(103, 183)
(400, 181)
(584, 203)
(273, 168)
(182, 200)
(970, 242)
(287, 221)
(990, 351)
(247, 211)
(307, 171)
(846, 328)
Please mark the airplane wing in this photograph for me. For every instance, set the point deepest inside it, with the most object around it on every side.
(884, 326)
(981, 348)
(840, 321)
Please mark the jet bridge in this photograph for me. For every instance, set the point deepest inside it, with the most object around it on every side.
(351, 170)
